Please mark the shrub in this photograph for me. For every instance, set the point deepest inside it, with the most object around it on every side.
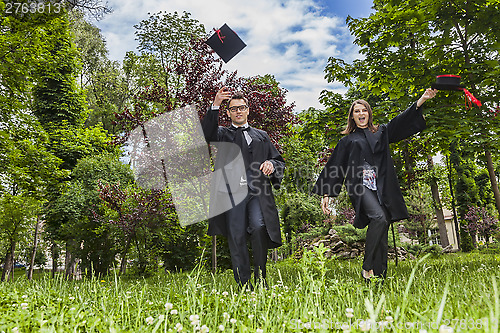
(350, 234)
(434, 250)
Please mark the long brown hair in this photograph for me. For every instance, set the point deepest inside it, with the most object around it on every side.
(351, 125)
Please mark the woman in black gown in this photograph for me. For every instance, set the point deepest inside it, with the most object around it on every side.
(362, 162)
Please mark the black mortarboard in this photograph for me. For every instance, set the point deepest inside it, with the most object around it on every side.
(447, 82)
(452, 82)
(226, 43)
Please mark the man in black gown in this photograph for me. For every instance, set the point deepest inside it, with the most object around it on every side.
(256, 214)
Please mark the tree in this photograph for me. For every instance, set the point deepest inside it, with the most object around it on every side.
(480, 222)
(16, 214)
(106, 85)
(165, 37)
(89, 240)
(139, 215)
(421, 214)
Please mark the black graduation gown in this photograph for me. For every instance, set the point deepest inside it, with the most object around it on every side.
(345, 165)
(262, 149)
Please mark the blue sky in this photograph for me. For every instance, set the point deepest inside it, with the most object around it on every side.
(290, 39)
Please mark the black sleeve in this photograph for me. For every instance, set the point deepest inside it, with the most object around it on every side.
(210, 125)
(332, 177)
(405, 124)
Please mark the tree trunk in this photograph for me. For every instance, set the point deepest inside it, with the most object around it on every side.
(408, 164)
(8, 268)
(443, 233)
(123, 263)
(55, 256)
(493, 178)
(453, 206)
(33, 252)
(69, 262)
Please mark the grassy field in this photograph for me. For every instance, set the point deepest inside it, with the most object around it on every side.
(455, 293)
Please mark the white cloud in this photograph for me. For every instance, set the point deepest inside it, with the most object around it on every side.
(291, 40)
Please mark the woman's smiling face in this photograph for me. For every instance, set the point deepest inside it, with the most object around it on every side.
(360, 115)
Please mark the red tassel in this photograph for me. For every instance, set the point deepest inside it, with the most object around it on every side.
(220, 36)
(470, 98)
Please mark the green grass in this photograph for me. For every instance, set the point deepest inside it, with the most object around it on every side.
(460, 291)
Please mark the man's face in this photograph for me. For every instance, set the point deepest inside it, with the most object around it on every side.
(238, 112)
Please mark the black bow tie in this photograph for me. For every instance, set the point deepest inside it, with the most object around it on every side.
(234, 128)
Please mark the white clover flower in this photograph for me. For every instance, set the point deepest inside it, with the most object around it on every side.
(445, 329)
(178, 327)
(389, 319)
(233, 321)
(250, 316)
(161, 317)
(72, 298)
(349, 310)
(225, 293)
(24, 296)
(349, 314)
(169, 306)
(259, 330)
(15, 329)
(174, 312)
(422, 331)
(204, 329)
(221, 327)
(226, 316)
(310, 313)
(72, 309)
(24, 306)
(194, 319)
(150, 320)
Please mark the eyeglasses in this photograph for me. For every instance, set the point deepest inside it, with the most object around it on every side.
(238, 108)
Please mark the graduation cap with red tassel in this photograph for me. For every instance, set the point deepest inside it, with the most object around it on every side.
(226, 43)
(452, 82)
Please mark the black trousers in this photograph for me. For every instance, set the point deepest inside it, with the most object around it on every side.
(244, 220)
(376, 245)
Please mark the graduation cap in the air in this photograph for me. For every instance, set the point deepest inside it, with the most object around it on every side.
(452, 82)
(226, 43)
(447, 82)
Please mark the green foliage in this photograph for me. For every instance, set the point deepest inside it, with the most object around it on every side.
(419, 203)
(466, 192)
(70, 217)
(299, 211)
(301, 158)
(350, 234)
(106, 85)
(163, 38)
(56, 95)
